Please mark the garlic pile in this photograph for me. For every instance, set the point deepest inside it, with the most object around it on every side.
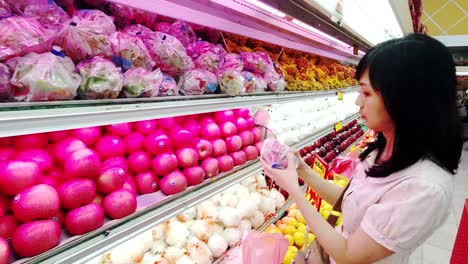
(202, 234)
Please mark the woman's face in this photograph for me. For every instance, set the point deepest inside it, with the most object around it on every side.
(372, 107)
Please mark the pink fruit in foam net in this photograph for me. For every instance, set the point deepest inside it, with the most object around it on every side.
(233, 143)
(241, 124)
(247, 138)
(194, 175)
(134, 142)
(139, 162)
(83, 163)
(157, 142)
(211, 167)
(262, 117)
(164, 163)
(36, 202)
(224, 116)
(146, 182)
(180, 138)
(240, 158)
(66, 147)
(115, 162)
(119, 204)
(38, 140)
(145, 127)
(41, 157)
(219, 147)
(165, 123)
(203, 148)
(187, 157)
(110, 146)
(110, 180)
(173, 183)
(210, 131)
(16, 176)
(89, 135)
(228, 129)
(120, 130)
(192, 126)
(225, 163)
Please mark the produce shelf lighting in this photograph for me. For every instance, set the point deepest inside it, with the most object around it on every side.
(266, 7)
(314, 30)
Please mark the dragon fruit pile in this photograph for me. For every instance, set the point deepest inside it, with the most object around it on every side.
(100, 42)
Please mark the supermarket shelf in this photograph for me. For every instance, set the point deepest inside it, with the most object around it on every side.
(462, 70)
(246, 19)
(88, 246)
(28, 118)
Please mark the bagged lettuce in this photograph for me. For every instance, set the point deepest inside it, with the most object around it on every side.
(163, 27)
(198, 82)
(198, 48)
(212, 59)
(254, 83)
(86, 35)
(231, 82)
(20, 35)
(168, 86)
(183, 32)
(139, 82)
(5, 9)
(232, 61)
(138, 30)
(256, 62)
(43, 77)
(18, 6)
(145, 18)
(275, 82)
(129, 51)
(5, 76)
(123, 15)
(100, 79)
(50, 16)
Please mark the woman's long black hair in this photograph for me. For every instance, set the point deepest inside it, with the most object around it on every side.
(416, 77)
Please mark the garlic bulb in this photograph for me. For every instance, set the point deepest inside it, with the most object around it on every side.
(232, 236)
(245, 226)
(230, 217)
(229, 199)
(207, 210)
(176, 233)
(246, 207)
(203, 229)
(256, 199)
(267, 206)
(172, 254)
(277, 197)
(159, 231)
(218, 245)
(199, 251)
(127, 253)
(185, 260)
(145, 239)
(257, 220)
(187, 215)
(159, 246)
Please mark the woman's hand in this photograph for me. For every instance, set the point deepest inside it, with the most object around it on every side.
(303, 170)
(287, 178)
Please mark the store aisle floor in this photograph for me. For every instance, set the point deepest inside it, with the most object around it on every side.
(438, 248)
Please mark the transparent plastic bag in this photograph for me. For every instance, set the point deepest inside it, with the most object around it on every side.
(275, 82)
(5, 9)
(231, 82)
(275, 153)
(19, 5)
(129, 51)
(254, 83)
(5, 76)
(86, 35)
(198, 48)
(163, 27)
(139, 82)
(208, 61)
(198, 82)
(256, 62)
(232, 61)
(183, 32)
(43, 77)
(50, 16)
(20, 35)
(138, 30)
(168, 86)
(263, 248)
(145, 18)
(123, 15)
(100, 79)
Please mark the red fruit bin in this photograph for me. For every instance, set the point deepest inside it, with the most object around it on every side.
(460, 248)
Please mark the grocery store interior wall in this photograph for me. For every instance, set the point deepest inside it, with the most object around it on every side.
(445, 17)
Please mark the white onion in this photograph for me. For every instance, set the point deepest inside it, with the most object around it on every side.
(246, 207)
(145, 239)
(199, 251)
(127, 253)
(230, 217)
(261, 182)
(189, 223)
(257, 220)
(242, 192)
(158, 247)
(229, 199)
(203, 229)
(245, 226)
(159, 231)
(267, 206)
(187, 215)
(256, 199)
(218, 229)
(217, 245)
(277, 197)
(148, 258)
(232, 236)
(172, 254)
(207, 210)
(216, 199)
(176, 234)
(184, 260)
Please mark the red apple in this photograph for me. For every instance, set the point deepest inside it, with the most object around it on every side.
(234, 143)
(203, 147)
(219, 147)
(225, 163)
(240, 158)
(251, 152)
(187, 157)
(247, 138)
(211, 167)
(228, 129)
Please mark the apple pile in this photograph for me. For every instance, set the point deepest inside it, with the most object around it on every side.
(331, 145)
(75, 178)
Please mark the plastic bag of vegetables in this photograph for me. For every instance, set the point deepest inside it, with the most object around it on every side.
(19, 5)
(5, 9)
(275, 154)
(101, 79)
(256, 62)
(275, 82)
(86, 35)
(232, 61)
(123, 15)
(129, 51)
(163, 27)
(20, 35)
(168, 86)
(197, 48)
(139, 82)
(254, 83)
(183, 32)
(198, 82)
(231, 82)
(50, 16)
(138, 30)
(5, 76)
(44, 77)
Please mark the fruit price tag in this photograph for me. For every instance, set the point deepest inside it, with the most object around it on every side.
(320, 166)
(340, 96)
(338, 126)
(338, 177)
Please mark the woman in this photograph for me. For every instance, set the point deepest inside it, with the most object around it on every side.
(401, 191)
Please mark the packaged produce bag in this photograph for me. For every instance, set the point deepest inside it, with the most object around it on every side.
(5, 76)
(129, 51)
(232, 61)
(50, 16)
(183, 32)
(231, 82)
(139, 82)
(263, 248)
(275, 153)
(256, 62)
(168, 86)
(198, 48)
(123, 15)
(254, 83)
(18, 6)
(86, 35)
(163, 27)
(198, 82)
(5, 9)
(20, 35)
(275, 82)
(43, 77)
(101, 79)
